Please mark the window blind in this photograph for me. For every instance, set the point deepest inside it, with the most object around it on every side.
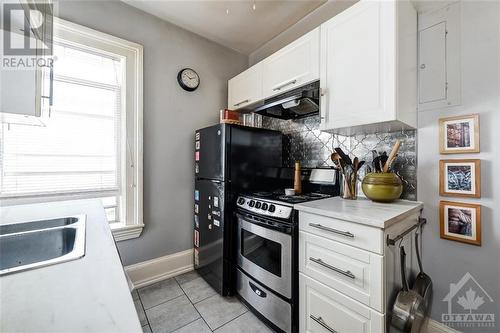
(79, 148)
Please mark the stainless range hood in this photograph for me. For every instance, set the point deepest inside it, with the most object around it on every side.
(297, 103)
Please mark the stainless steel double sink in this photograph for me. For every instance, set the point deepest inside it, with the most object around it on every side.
(35, 244)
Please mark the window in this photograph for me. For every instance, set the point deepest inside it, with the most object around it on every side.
(91, 145)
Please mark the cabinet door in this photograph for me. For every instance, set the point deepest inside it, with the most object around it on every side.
(245, 88)
(322, 309)
(26, 90)
(20, 92)
(357, 55)
(292, 66)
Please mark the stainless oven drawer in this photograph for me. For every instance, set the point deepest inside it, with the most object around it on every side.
(275, 309)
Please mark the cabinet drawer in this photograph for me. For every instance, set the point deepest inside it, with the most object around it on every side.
(323, 309)
(354, 272)
(354, 234)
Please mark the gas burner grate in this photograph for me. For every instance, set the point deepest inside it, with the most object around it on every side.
(262, 194)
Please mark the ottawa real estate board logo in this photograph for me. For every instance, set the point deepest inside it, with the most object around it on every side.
(468, 305)
(26, 34)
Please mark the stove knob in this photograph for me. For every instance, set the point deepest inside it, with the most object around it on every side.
(265, 206)
(241, 201)
(258, 204)
(252, 203)
(272, 208)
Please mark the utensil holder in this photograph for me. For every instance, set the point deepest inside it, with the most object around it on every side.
(382, 186)
(350, 186)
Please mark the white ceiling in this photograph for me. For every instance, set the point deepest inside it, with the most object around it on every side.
(243, 29)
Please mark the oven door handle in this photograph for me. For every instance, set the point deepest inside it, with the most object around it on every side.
(259, 292)
(286, 229)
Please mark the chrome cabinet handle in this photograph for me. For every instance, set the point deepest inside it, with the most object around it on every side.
(245, 101)
(320, 321)
(333, 268)
(335, 231)
(284, 85)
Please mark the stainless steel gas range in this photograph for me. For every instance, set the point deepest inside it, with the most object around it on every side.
(267, 257)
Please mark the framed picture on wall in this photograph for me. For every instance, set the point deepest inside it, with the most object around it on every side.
(460, 178)
(458, 135)
(460, 222)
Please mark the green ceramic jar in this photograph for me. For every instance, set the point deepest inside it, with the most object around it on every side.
(382, 186)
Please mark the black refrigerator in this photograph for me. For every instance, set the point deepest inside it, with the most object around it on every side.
(229, 159)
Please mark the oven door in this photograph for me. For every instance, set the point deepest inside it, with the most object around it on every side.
(266, 255)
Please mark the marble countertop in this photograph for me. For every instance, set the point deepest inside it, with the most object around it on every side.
(89, 294)
(362, 210)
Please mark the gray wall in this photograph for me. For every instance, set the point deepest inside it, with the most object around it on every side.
(170, 115)
(447, 261)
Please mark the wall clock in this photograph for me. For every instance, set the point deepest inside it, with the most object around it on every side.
(188, 79)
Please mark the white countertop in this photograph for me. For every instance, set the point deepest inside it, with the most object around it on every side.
(362, 210)
(89, 294)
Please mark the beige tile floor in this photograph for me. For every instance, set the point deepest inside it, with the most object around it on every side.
(187, 304)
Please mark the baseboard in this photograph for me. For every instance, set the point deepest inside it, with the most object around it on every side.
(434, 326)
(154, 270)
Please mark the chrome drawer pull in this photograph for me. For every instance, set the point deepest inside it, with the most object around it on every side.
(245, 101)
(284, 85)
(335, 231)
(320, 321)
(338, 270)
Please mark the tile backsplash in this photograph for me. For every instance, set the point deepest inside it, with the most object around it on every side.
(306, 143)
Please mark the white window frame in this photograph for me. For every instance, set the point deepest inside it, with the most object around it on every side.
(132, 152)
(131, 182)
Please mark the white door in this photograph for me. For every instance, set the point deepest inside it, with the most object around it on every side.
(357, 65)
(292, 66)
(432, 63)
(245, 88)
(439, 58)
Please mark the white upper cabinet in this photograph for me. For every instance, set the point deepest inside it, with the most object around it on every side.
(246, 88)
(27, 91)
(368, 68)
(293, 66)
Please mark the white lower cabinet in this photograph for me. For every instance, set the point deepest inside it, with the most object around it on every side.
(346, 282)
(322, 309)
(349, 274)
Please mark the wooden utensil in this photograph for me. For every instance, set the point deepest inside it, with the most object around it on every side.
(389, 162)
(336, 160)
(297, 183)
(392, 155)
(343, 155)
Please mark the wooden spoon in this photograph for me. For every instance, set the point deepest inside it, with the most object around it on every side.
(392, 155)
(337, 161)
